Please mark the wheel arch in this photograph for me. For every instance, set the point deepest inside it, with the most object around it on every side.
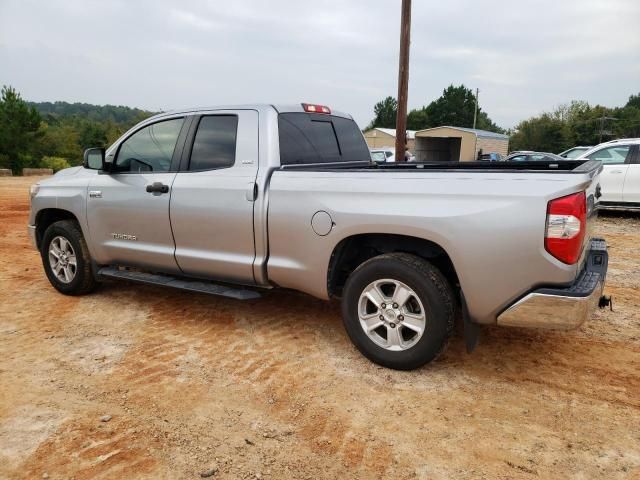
(352, 251)
(48, 216)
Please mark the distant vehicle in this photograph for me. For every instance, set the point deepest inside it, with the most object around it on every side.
(575, 152)
(620, 178)
(521, 151)
(534, 157)
(389, 153)
(378, 156)
(490, 157)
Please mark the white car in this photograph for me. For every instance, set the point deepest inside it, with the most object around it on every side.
(389, 154)
(575, 152)
(620, 178)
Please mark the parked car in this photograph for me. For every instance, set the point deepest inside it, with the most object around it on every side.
(389, 153)
(520, 151)
(534, 157)
(575, 152)
(490, 157)
(378, 156)
(234, 200)
(620, 178)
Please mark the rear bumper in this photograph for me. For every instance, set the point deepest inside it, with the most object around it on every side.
(563, 308)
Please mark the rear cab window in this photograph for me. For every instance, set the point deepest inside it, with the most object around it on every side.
(214, 145)
(307, 138)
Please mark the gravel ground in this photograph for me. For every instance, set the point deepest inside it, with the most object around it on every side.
(138, 382)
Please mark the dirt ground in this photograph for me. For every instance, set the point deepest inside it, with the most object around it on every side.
(273, 388)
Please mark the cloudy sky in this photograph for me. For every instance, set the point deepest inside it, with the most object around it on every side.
(525, 56)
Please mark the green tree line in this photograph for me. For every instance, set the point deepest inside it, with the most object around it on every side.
(577, 123)
(54, 135)
(455, 108)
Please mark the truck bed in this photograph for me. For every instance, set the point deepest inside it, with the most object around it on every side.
(489, 217)
(568, 166)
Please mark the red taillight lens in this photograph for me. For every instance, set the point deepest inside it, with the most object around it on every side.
(566, 227)
(312, 108)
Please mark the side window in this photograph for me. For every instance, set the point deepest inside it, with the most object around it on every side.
(388, 154)
(150, 149)
(214, 145)
(519, 158)
(611, 155)
(539, 158)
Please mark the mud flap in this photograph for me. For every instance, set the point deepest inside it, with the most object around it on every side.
(471, 330)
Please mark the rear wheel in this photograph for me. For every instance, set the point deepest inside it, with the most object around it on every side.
(399, 310)
(66, 259)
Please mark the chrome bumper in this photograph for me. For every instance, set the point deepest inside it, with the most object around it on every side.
(563, 308)
(31, 229)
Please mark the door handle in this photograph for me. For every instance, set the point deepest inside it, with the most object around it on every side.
(95, 194)
(158, 187)
(616, 171)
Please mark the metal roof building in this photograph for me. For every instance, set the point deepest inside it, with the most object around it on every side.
(442, 144)
(386, 137)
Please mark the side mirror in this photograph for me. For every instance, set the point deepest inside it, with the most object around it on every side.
(94, 159)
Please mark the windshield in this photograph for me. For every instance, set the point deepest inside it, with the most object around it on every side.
(575, 153)
(318, 138)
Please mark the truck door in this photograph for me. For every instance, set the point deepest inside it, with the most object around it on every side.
(213, 197)
(631, 192)
(128, 208)
(615, 162)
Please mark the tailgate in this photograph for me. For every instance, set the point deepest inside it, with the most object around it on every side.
(593, 195)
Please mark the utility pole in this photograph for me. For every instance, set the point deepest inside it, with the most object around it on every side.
(403, 80)
(475, 112)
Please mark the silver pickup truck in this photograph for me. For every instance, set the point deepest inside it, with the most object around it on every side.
(231, 200)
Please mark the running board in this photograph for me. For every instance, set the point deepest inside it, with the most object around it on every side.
(191, 285)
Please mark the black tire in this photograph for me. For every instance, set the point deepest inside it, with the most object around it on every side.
(83, 280)
(432, 290)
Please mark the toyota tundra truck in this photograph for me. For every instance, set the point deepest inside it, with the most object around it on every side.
(234, 200)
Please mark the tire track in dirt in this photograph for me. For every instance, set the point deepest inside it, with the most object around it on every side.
(276, 355)
(86, 449)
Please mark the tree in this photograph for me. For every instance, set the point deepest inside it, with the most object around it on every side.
(59, 141)
(543, 134)
(418, 119)
(19, 125)
(92, 134)
(577, 123)
(634, 101)
(455, 107)
(385, 113)
(54, 163)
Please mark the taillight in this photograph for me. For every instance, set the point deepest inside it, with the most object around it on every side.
(566, 227)
(312, 108)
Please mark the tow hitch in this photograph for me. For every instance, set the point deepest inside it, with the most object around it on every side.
(605, 302)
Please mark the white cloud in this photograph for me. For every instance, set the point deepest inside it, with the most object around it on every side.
(525, 56)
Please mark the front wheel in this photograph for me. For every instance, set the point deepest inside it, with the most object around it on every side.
(399, 310)
(66, 258)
